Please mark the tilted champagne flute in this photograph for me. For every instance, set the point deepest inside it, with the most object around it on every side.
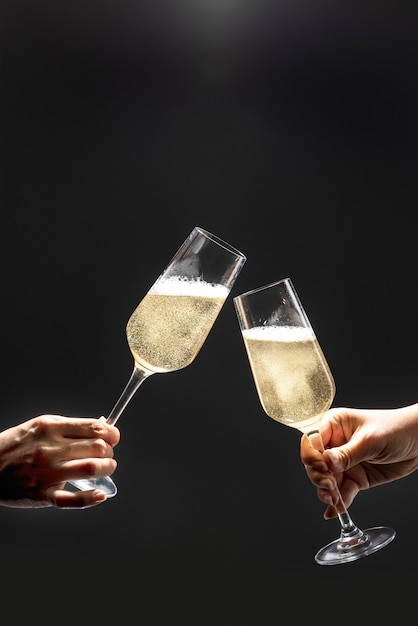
(295, 387)
(169, 326)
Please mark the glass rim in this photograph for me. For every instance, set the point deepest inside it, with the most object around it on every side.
(221, 242)
(269, 285)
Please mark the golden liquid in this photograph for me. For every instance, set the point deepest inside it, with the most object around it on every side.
(171, 323)
(292, 377)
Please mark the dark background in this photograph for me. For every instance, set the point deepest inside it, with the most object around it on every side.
(287, 128)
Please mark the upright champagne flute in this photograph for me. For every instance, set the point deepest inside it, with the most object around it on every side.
(170, 324)
(295, 387)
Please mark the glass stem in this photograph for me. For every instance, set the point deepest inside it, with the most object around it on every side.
(348, 529)
(137, 378)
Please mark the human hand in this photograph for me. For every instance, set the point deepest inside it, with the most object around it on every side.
(363, 448)
(40, 455)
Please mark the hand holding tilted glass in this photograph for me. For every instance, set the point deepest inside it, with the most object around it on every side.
(296, 387)
(169, 326)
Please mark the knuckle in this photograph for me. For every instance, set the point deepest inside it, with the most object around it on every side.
(88, 468)
(42, 423)
(100, 448)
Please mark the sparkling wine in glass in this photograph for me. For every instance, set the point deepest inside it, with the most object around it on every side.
(295, 387)
(170, 324)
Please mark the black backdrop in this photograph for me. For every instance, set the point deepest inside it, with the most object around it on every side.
(288, 129)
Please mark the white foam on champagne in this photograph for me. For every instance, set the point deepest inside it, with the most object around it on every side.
(182, 286)
(288, 334)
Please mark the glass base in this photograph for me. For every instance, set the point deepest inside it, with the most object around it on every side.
(104, 483)
(345, 550)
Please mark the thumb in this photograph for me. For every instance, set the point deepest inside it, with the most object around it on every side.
(340, 459)
(354, 451)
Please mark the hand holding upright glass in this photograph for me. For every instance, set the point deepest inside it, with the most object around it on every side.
(296, 387)
(169, 326)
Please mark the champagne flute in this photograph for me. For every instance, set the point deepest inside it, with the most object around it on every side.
(295, 387)
(170, 324)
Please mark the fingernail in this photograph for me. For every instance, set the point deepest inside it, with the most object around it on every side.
(99, 496)
(326, 483)
(320, 466)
